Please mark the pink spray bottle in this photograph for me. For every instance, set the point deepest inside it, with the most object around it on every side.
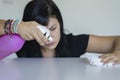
(10, 43)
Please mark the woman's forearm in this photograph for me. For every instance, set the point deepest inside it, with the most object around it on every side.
(2, 22)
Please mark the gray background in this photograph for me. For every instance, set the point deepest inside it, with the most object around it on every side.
(100, 17)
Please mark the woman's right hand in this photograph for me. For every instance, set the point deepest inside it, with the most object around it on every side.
(29, 31)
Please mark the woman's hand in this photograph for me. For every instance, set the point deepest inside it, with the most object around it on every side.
(111, 57)
(29, 31)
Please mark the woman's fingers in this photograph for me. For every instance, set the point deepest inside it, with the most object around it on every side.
(40, 38)
(111, 57)
(105, 58)
(29, 37)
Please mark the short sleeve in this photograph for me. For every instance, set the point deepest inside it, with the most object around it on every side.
(77, 44)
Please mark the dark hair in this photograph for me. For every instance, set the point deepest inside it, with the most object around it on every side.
(40, 11)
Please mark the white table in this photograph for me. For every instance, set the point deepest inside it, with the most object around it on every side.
(55, 69)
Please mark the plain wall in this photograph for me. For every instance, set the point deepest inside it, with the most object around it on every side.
(12, 8)
(101, 17)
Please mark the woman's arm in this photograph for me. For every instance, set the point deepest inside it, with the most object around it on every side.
(105, 44)
(27, 30)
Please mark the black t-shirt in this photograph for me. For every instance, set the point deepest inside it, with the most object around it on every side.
(76, 45)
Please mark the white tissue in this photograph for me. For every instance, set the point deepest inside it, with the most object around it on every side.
(95, 60)
(45, 31)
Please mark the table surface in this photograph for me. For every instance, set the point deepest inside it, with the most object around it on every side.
(55, 69)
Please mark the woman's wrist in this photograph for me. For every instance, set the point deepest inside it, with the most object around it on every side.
(11, 26)
(2, 22)
(21, 23)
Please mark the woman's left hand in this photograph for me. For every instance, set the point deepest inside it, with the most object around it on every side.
(111, 57)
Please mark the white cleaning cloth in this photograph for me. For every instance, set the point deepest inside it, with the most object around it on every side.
(95, 60)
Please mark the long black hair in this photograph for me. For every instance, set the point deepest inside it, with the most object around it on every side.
(40, 11)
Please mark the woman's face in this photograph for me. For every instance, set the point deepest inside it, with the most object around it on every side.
(54, 28)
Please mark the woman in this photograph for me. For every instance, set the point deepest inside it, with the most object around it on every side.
(46, 13)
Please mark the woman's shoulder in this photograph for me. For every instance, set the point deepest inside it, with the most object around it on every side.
(73, 36)
(77, 39)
